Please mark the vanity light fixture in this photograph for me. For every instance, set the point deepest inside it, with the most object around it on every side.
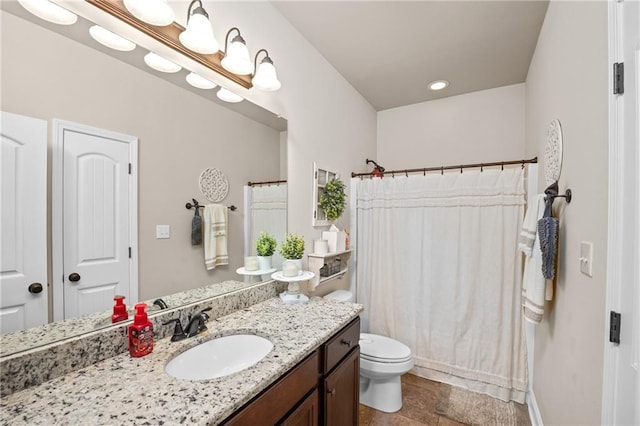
(154, 12)
(228, 96)
(161, 64)
(49, 11)
(265, 77)
(109, 39)
(196, 80)
(438, 84)
(236, 55)
(198, 36)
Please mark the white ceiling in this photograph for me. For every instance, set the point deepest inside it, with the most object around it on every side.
(390, 50)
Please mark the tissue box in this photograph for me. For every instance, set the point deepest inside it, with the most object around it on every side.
(336, 240)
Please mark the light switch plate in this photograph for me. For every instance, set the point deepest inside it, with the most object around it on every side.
(586, 258)
(163, 231)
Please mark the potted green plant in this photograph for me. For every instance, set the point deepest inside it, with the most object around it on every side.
(292, 249)
(332, 200)
(265, 247)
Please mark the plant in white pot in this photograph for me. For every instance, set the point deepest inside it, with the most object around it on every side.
(265, 247)
(332, 200)
(292, 250)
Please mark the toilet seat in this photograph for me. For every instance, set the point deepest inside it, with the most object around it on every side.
(376, 348)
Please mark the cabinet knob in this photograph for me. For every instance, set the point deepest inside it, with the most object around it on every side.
(347, 343)
(331, 392)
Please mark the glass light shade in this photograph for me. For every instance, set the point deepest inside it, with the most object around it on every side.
(228, 96)
(198, 36)
(237, 59)
(196, 80)
(109, 39)
(48, 11)
(161, 64)
(266, 78)
(154, 12)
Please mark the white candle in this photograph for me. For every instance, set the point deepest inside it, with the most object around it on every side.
(251, 263)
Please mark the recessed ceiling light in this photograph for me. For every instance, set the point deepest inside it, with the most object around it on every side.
(109, 39)
(228, 96)
(161, 64)
(438, 84)
(49, 11)
(196, 80)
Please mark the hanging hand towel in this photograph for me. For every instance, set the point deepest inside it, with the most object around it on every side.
(533, 282)
(196, 227)
(548, 233)
(215, 236)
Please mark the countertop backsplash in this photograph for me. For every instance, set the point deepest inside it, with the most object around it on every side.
(38, 365)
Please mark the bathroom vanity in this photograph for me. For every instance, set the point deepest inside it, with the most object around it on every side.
(311, 376)
(322, 389)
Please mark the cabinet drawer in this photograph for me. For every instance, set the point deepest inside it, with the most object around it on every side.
(270, 406)
(340, 345)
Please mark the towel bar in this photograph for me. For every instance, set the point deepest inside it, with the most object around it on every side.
(189, 206)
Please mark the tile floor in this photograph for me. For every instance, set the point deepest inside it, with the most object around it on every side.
(419, 406)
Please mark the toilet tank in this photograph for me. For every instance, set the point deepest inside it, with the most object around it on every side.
(340, 296)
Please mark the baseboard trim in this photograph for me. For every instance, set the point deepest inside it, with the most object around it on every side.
(534, 410)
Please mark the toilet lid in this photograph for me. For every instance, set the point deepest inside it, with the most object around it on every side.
(374, 346)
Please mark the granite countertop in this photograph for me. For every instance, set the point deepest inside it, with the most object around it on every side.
(124, 390)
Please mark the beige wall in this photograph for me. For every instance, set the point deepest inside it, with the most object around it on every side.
(329, 122)
(483, 126)
(45, 75)
(567, 80)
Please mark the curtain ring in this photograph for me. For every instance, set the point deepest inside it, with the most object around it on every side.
(406, 173)
(501, 166)
(393, 174)
(481, 167)
(460, 169)
(523, 164)
(442, 170)
(424, 172)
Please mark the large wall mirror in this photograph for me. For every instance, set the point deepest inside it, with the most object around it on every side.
(52, 72)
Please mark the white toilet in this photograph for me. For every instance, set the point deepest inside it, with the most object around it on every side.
(382, 361)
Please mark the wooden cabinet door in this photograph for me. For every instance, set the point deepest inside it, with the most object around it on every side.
(306, 414)
(342, 389)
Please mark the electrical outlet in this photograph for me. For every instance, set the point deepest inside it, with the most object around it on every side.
(586, 258)
(163, 231)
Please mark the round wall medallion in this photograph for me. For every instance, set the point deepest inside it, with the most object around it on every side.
(553, 153)
(214, 184)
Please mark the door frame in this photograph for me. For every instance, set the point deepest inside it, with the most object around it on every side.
(617, 271)
(57, 228)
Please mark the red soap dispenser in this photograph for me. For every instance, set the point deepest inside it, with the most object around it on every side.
(140, 333)
(119, 310)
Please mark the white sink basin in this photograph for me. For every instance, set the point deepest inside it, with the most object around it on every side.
(219, 357)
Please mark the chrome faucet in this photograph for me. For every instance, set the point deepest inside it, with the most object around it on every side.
(196, 325)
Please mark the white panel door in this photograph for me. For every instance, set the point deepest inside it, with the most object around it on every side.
(96, 219)
(621, 386)
(23, 222)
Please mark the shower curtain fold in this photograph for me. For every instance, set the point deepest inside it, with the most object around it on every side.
(438, 269)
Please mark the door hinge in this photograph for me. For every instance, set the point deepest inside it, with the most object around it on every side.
(129, 252)
(618, 78)
(130, 167)
(614, 327)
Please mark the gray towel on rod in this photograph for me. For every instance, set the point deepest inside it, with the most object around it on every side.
(196, 227)
(548, 227)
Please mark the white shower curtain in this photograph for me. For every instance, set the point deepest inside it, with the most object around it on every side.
(437, 269)
(268, 213)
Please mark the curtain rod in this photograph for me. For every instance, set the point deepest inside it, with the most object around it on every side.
(266, 182)
(443, 168)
